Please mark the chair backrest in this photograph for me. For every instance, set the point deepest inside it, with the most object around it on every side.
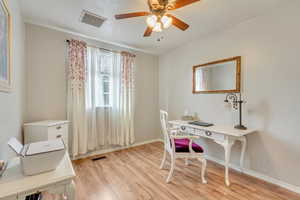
(165, 128)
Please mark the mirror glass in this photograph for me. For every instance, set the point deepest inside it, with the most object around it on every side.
(217, 77)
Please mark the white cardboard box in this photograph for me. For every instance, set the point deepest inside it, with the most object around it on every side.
(39, 157)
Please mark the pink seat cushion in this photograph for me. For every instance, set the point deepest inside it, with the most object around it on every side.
(182, 145)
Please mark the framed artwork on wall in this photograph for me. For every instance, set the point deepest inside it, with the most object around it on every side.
(5, 48)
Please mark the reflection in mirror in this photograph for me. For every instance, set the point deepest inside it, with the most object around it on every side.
(217, 77)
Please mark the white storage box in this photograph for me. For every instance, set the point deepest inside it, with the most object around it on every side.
(39, 157)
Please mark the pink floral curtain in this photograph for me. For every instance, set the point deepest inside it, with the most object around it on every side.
(77, 51)
(77, 63)
(126, 102)
(127, 70)
(87, 131)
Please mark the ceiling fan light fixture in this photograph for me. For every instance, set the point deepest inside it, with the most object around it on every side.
(166, 21)
(151, 21)
(157, 27)
(158, 16)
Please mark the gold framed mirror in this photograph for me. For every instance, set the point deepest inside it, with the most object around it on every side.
(222, 76)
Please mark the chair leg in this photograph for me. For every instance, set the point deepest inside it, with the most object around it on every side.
(172, 168)
(203, 169)
(187, 162)
(163, 160)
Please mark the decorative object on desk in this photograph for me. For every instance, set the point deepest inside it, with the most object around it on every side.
(5, 48)
(237, 105)
(188, 117)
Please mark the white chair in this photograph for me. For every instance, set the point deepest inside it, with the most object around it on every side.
(179, 147)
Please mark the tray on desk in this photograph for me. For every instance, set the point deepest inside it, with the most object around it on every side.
(198, 123)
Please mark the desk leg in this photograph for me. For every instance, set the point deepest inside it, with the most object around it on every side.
(70, 191)
(244, 146)
(227, 144)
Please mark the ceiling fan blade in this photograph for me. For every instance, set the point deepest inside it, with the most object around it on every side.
(179, 23)
(130, 15)
(181, 3)
(148, 32)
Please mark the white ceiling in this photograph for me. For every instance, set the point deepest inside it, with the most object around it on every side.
(204, 18)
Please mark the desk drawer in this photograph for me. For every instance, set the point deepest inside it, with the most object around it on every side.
(209, 134)
(187, 130)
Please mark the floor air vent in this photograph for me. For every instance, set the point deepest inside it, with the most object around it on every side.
(91, 19)
(99, 158)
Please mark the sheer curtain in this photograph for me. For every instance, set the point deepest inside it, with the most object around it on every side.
(100, 98)
(109, 98)
(126, 98)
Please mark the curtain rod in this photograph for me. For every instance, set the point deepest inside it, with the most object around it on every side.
(68, 41)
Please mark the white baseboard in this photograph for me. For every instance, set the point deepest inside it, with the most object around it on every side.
(258, 175)
(103, 151)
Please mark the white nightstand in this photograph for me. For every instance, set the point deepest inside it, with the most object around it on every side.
(46, 130)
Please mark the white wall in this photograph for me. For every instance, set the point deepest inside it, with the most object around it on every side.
(46, 57)
(270, 49)
(12, 105)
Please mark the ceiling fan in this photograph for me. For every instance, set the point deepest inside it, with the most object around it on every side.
(159, 17)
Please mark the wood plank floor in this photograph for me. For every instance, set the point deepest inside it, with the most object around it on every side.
(134, 174)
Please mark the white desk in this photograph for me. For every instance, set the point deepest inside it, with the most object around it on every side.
(222, 135)
(15, 186)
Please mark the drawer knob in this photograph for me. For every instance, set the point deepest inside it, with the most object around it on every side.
(59, 127)
(58, 136)
(208, 133)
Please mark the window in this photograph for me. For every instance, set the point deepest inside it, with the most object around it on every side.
(104, 79)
